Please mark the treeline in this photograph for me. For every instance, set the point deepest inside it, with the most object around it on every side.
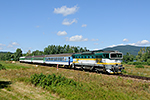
(51, 49)
(11, 56)
(143, 57)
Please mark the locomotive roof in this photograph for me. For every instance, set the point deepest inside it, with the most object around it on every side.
(95, 52)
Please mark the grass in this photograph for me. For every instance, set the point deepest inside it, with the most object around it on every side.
(10, 65)
(137, 70)
(94, 86)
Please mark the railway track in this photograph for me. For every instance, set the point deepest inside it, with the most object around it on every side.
(135, 77)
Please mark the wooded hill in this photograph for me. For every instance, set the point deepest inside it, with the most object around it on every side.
(124, 49)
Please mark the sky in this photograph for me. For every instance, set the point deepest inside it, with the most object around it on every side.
(95, 24)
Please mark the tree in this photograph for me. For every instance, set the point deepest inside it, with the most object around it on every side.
(29, 53)
(2, 56)
(17, 54)
(52, 49)
(128, 58)
(8, 56)
(143, 55)
(37, 52)
(148, 61)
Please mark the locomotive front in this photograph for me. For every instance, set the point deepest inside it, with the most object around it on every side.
(113, 62)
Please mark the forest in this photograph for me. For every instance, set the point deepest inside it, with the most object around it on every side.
(51, 49)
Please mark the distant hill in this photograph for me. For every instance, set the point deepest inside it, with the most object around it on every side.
(124, 49)
(4, 52)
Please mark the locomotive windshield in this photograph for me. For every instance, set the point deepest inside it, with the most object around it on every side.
(116, 55)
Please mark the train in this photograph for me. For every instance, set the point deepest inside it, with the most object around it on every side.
(98, 60)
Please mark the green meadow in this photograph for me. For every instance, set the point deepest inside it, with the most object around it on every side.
(31, 82)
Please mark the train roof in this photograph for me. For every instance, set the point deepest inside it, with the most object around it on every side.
(70, 54)
(35, 56)
(52, 55)
(60, 55)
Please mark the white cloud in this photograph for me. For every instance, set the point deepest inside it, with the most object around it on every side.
(15, 43)
(125, 40)
(96, 44)
(2, 44)
(69, 22)
(116, 45)
(94, 39)
(77, 38)
(139, 43)
(83, 25)
(66, 11)
(143, 42)
(112, 46)
(1, 48)
(12, 44)
(60, 33)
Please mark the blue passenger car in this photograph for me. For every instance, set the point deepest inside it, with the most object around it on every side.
(61, 59)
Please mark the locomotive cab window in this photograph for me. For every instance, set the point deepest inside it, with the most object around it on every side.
(116, 55)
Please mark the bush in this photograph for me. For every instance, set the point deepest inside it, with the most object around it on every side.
(137, 63)
(148, 62)
(2, 67)
(51, 80)
(144, 63)
(123, 71)
(130, 63)
(139, 66)
(123, 62)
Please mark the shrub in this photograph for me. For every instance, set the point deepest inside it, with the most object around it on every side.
(2, 67)
(123, 71)
(148, 62)
(51, 80)
(137, 63)
(139, 66)
(144, 63)
(130, 63)
(123, 62)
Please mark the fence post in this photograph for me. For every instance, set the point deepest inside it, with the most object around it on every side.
(57, 66)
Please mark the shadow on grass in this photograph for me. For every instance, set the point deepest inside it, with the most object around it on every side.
(4, 84)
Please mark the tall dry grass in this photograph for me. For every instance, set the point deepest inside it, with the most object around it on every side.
(95, 86)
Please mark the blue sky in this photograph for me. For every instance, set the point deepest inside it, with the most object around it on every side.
(95, 24)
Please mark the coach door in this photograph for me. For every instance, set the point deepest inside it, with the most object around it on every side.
(69, 60)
